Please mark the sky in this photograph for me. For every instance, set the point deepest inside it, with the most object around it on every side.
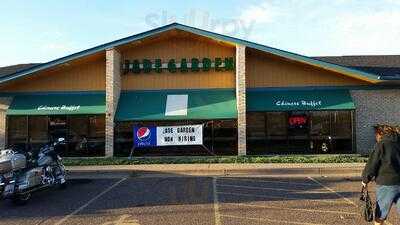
(43, 30)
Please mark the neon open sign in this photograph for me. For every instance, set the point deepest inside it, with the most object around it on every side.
(183, 65)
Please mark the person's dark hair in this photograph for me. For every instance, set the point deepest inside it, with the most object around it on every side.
(383, 129)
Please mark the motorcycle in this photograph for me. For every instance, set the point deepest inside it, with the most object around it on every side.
(323, 145)
(21, 174)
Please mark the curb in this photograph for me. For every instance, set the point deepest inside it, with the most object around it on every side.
(209, 171)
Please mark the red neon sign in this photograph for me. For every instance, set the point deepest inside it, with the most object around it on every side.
(297, 120)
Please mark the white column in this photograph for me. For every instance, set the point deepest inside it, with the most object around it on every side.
(113, 90)
(241, 97)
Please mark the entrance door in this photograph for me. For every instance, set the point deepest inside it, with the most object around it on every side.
(58, 129)
(298, 131)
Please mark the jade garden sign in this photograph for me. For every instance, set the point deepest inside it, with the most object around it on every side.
(183, 65)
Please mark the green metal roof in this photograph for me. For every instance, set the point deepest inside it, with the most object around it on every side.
(264, 100)
(58, 104)
(202, 104)
(289, 55)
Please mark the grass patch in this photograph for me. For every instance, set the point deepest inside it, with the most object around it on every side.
(351, 158)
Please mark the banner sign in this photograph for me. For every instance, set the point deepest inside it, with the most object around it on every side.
(180, 135)
(168, 135)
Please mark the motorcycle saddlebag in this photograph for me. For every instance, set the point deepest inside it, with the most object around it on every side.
(30, 179)
(12, 162)
(18, 161)
(5, 165)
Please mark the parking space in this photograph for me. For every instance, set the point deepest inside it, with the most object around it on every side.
(194, 200)
(283, 201)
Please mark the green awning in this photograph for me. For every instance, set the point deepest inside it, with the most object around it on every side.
(58, 104)
(287, 100)
(201, 104)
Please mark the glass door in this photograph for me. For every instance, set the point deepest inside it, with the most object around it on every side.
(298, 131)
(58, 129)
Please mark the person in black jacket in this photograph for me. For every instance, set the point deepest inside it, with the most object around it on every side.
(383, 166)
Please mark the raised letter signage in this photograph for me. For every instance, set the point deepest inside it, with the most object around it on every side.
(178, 65)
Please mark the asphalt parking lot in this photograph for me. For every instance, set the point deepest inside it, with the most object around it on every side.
(196, 200)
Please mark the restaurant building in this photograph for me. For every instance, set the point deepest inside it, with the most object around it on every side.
(249, 98)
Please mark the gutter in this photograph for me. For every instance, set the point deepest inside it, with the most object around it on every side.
(387, 78)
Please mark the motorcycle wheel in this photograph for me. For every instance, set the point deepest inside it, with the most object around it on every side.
(62, 186)
(21, 199)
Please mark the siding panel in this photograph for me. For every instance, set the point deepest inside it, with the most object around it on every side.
(85, 76)
(263, 70)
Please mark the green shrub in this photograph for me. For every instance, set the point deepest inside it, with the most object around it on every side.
(217, 159)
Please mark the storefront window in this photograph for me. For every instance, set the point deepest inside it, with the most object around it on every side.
(305, 132)
(277, 132)
(342, 124)
(38, 131)
(342, 130)
(277, 124)
(57, 127)
(17, 131)
(225, 137)
(123, 138)
(96, 141)
(77, 135)
(320, 123)
(84, 135)
(256, 133)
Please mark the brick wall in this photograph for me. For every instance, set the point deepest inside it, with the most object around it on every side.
(241, 97)
(373, 107)
(113, 89)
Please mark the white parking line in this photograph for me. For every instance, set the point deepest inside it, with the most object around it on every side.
(125, 219)
(280, 197)
(269, 181)
(293, 209)
(273, 189)
(216, 206)
(333, 191)
(268, 220)
(63, 220)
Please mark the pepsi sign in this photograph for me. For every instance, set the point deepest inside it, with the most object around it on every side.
(144, 136)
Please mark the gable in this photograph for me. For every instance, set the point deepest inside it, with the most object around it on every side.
(266, 70)
(372, 78)
(177, 45)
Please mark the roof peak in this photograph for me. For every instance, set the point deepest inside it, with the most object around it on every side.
(205, 33)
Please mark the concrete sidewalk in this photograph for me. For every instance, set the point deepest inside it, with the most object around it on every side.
(273, 169)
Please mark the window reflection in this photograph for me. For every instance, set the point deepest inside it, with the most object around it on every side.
(306, 132)
(84, 135)
(17, 131)
(38, 131)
